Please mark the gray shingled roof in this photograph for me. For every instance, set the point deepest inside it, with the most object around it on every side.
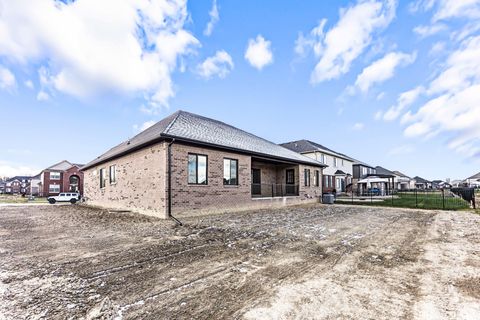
(421, 180)
(185, 126)
(475, 176)
(382, 170)
(305, 146)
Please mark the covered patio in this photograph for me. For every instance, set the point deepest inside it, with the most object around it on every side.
(272, 178)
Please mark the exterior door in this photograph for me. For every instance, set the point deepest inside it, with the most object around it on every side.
(256, 182)
(290, 182)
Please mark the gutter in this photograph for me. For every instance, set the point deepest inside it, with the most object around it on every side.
(169, 187)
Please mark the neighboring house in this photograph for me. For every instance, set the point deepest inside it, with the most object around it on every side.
(361, 171)
(457, 183)
(2, 186)
(61, 177)
(35, 185)
(421, 183)
(187, 163)
(381, 181)
(338, 175)
(473, 181)
(440, 184)
(18, 185)
(405, 181)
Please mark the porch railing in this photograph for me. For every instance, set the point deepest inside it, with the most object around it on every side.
(266, 190)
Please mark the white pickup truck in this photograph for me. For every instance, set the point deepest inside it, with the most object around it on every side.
(71, 197)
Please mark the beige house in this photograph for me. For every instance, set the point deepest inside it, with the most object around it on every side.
(188, 164)
(338, 173)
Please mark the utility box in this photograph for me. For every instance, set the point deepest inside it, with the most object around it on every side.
(328, 198)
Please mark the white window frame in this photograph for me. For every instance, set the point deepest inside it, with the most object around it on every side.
(112, 178)
(56, 173)
(50, 190)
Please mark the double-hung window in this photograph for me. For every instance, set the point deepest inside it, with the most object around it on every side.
(230, 172)
(103, 177)
(307, 177)
(113, 174)
(316, 178)
(197, 169)
(54, 175)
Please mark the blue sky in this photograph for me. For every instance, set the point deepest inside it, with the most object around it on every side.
(390, 83)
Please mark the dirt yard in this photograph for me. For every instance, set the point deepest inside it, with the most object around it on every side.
(312, 262)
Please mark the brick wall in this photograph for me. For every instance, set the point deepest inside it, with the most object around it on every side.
(215, 195)
(140, 184)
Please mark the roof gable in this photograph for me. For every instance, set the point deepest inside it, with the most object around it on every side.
(61, 166)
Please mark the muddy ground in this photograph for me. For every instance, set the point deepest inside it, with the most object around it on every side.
(309, 262)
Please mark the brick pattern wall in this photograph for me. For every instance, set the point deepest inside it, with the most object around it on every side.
(140, 185)
(215, 195)
(311, 192)
(47, 182)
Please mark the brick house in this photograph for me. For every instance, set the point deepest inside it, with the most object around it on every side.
(61, 177)
(17, 185)
(187, 163)
(338, 175)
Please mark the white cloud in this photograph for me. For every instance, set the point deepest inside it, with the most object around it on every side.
(7, 79)
(91, 47)
(404, 100)
(42, 96)
(8, 169)
(457, 9)
(454, 104)
(218, 65)
(401, 150)
(259, 53)
(343, 43)
(446, 9)
(382, 69)
(358, 126)
(429, 30)
(147, 124)
(437, 47)
(214, 17)
(378, 115)
(29, 84)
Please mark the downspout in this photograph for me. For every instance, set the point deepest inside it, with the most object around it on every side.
(169, 212)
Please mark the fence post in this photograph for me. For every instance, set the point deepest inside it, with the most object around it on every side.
(392, 197)
(272, 190)
(352, 194)
(443, 198)
(416, 199)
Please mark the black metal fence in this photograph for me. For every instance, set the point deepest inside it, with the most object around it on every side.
(264, 190)
(445, 199)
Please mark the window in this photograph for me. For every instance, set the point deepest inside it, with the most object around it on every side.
(197, 169)
(113, 176)
(316, 178)
(290, 179)
(335, 162)
(323, 159)
(230, 172)
(54, 175)
(343, 163)
(103, 178)
(307, 177)
(364, 170)
(54, 188)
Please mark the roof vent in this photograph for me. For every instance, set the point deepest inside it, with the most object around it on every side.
(128, 142)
